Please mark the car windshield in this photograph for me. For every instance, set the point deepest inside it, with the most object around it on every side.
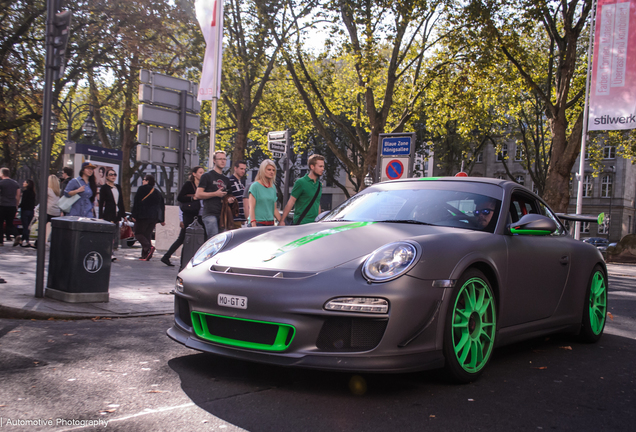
(421, 206)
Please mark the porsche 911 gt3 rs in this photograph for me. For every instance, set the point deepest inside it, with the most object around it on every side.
(406, 275)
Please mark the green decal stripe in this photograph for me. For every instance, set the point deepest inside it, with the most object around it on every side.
(315, 236)
(530, 232)
(281, 343)
(430, 178)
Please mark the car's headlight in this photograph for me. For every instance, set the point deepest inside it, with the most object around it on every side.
(210, 248)
(390, 261)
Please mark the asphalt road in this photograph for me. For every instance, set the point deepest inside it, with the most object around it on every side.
(128, 372)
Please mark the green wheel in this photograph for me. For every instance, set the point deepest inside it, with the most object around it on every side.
(595, 307)
(471, 324)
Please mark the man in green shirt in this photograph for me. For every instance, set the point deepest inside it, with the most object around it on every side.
(304, 191)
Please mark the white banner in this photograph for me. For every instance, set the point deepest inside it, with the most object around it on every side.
(613, 88)
(210, 17)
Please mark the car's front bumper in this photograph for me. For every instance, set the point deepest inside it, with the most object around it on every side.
(410, 336)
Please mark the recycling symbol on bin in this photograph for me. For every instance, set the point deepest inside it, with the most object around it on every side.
(93, 262)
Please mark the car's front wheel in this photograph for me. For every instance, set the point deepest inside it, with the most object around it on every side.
(470, 328)
(595, 307)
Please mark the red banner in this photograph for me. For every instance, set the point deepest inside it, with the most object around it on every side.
(613, 85)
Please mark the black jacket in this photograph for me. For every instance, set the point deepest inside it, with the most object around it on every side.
(107, 209)
(149, 205)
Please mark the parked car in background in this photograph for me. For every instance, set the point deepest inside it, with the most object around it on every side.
(599, 242)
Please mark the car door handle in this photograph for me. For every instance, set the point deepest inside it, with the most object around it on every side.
(564, 260)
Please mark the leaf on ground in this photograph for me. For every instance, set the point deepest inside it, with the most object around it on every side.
(69, 334)
(540, 367)
(156, 391)
(566, 348)
(108, 411)
(609, 314)
(14, 331)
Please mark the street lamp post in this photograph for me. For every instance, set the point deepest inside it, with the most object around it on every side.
(611, 193)
(71, 112)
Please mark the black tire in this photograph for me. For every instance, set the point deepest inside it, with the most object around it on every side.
(594, 307)
(470, 327)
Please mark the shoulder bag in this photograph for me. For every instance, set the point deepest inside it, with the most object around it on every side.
(191, 207)
(65, 203)
(313, 200)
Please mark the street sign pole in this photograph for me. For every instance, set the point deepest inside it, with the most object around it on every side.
(45, 151)
(184, 138)
(288, 152)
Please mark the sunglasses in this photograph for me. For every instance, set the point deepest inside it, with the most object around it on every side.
(112, 175)
(485, 212)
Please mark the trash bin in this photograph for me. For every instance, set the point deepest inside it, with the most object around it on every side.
(80, 259)
(194, 239)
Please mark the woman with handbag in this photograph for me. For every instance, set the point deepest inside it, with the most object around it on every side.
(148, 210)
(111, 204)
(27, 204)
(190, 209)
(83, 187)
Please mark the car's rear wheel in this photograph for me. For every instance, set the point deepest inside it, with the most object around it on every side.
(471, 324)
(595, 307)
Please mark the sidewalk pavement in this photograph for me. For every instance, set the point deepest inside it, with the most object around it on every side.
(137, 288)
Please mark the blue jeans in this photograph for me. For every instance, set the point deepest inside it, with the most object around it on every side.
(211, 223)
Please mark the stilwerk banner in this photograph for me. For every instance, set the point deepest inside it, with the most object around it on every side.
(613, 87)
(210, 17)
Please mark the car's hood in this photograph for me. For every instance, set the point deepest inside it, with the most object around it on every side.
(319, 246)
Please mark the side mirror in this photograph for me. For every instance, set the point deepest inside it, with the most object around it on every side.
(533, 224)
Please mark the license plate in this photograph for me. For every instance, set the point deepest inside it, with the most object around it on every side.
(227, 300)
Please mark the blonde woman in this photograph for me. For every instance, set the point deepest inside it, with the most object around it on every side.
(263, 196)
(52, 210)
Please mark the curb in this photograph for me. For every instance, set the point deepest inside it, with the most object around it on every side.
(8, 312)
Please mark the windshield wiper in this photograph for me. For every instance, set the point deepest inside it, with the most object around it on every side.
(409, 221)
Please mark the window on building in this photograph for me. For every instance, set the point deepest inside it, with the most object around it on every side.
(503, 153)
(604, 227)
(520, 179)
(585, 227)
(609, 152)
(500, 176)
(587, 186)
(606, 186)
(480, 157)
(519, 154)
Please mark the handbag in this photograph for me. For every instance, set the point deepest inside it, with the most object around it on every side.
(65, 203)
(190, 207)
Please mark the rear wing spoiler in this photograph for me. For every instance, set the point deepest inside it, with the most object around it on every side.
(577, 217)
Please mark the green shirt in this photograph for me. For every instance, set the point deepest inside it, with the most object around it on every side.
(304, 191)
(265, 201)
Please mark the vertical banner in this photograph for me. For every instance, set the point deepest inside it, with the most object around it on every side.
(613, 87)
(210, 17)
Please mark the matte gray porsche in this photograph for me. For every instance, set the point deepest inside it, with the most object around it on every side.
(539, 282)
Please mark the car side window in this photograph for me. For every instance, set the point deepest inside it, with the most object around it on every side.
(522, 205)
